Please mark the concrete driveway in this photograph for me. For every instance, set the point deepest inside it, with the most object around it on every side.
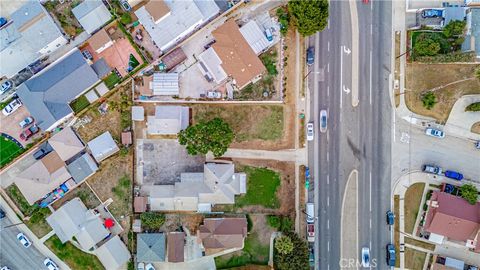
(460, 122)
(7, 176)
(10, 124)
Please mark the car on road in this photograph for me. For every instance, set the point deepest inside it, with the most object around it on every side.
(390, 217)
(11, 107)
(24, 240)
(149, 267)
(2, 214)
(435, 133)
(310, 56)
(214, 94)
(311, 256)
(432, 169)
(390, 255)
(7, 85)
(310, 211)
(310, 131)
(432, 13)
(323, 121)
(365, 257)
(29, 132)
(310, 232)
(26, 122)
(454, 175)
(50, 264)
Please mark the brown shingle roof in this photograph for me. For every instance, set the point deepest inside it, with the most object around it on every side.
(98, 40)
(454, 217)
(175, 242)
(157, 9)
(223, 232)
(238, 58)
(52, 162)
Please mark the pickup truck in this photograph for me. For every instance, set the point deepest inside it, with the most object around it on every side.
(311, 232)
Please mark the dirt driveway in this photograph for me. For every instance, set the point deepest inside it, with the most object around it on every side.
(10, 124)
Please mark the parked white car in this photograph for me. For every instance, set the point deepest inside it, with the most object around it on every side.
(310, 132)
(365, 257)
(435, 133)
(11, 107)
(214, 94)
(24, 240)
(149, 267)
(50, 264)
(323, 121)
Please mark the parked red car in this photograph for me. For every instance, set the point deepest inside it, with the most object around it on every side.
(27, 133)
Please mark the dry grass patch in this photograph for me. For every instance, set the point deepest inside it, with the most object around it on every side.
(418, 243)
(413, 197)
(414, 259)
(424, 77)
(476, 128)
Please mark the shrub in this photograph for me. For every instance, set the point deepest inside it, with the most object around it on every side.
(274, 221)
(126, 18)
(470, 193)
(297, 258)
(152, 220)
(429, 100)
(474, 107)
(284, 245)
(427, 47)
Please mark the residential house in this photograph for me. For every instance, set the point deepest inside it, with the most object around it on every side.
(452, 218)
(168, 120)
(159, 84)
(100, 41)
(448, 263)
(232, 56)
(175, 246)
(103, 146)
(150, 247)
(222, 233)
(472, 37)
(218, 184)
(82, 168)
(113, 254)
(66, 143)
(92, 15)
(167, 22)
(74, 220)
(47, 94)
(29, 35)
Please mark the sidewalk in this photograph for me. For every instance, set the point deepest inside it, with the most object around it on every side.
(459, 121)
(35, 241)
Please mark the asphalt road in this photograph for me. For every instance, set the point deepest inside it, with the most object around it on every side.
(357, 137)
(13, 254)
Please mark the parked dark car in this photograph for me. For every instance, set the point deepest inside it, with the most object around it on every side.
(390, 255)
(27, 133)
(3, 21)
(42, 151)
(2, 214)
(390, 217)
(310, 56)
(454, 175)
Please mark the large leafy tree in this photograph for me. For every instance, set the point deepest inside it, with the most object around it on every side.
(470, 193)
(454, 28)
(427, 47)
(296, 259)
(429, 100)
(215, 136)
(284, 245)
(308, 16)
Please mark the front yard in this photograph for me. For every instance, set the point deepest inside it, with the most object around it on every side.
(72, 256)
(262, 185)
(413, 197)
(414, 259)
(447, 81)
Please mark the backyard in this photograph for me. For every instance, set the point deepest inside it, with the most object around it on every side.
(9, 150)
(72, 256)
(262, 185)
(413, 197)
(63, 12)
(447, 81)
(414, 259)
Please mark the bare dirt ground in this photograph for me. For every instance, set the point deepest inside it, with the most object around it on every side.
(286, 192)
(425, 77)
(476, 128)
(174, 221)
(261, 227)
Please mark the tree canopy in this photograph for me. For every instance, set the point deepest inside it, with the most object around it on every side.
(284, 245)
(429, 100)
(152, 220)
(454, 28)
(215, 136)
(427, 47)
(470, 193)
(297, 258)
(308, 16)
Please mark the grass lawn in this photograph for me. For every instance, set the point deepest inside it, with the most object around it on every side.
(414, 259)
(9, 151)
(72, 256)
(253, 253)
(79, 104)
(423, 77)
(37, 223)
(418, 243)
(262, 185)
(413, 197)
(111, 80)
(249, 122)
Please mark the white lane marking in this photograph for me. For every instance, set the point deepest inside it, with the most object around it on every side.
(327, 137)
(328, 246)
(371, 29)
(341, 76)
(328, 24)
(328, 90)
(328, 67)
(328, 179)
(328, 46)
(370, 184)
(328, 224)
(328, 201)
(371, 75)
(370, 223)
(327, 156)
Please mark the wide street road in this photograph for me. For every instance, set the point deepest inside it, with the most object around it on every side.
(13, 254)
(357, 137)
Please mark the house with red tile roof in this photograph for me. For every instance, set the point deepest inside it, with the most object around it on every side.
(452, 218)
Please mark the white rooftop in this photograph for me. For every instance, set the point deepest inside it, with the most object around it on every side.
(255, 37)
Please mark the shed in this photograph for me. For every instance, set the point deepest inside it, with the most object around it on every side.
(138, 113)
(255, 37)
(168, 120)
(140, 204)
(174, 58)
(127, 138)
(165, 84)
(137, 226)
(103, 146)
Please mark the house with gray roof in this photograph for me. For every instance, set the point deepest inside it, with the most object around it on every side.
(73, 219)
(103, 146)
(472, 37)
(113, 254)
(150, 247)
(66, 143)
(82, 167)
(218, 184)
(29, 35)
(47, 94)
(168, 120)
(92, 15)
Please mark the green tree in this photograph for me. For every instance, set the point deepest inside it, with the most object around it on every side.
(215, 136)
(477, 73)
(474, 107)
(283, 19)
(308, 16)
(429, 100)
(454, 28)
(470, 193)
(152, 220)
(284, 245)
(126, 18)
(427, 47)
(297, 258)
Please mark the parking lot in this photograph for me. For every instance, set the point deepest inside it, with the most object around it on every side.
(10, 124)
(161, 161)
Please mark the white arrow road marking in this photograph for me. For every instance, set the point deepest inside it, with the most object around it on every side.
(346, 50)
(346, 89)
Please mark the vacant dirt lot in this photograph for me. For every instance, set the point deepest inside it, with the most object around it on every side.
(476, 128)
(439, 78)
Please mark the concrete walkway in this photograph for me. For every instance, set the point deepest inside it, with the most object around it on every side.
(281, 155)
(35, 241)
(460, 122)
(272, 240)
